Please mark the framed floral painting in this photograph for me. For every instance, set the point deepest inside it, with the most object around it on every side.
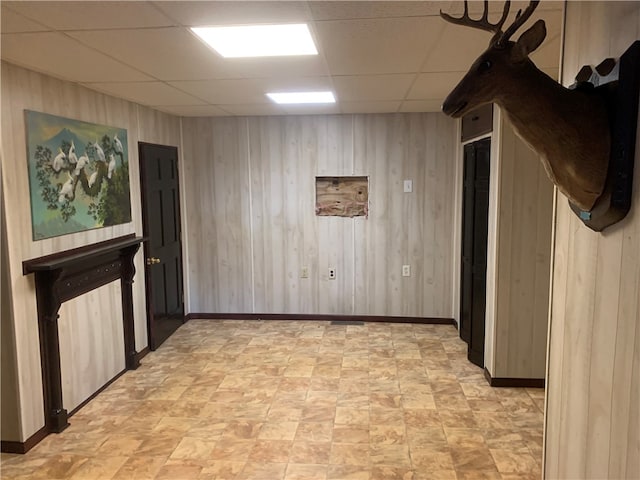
(78, 175)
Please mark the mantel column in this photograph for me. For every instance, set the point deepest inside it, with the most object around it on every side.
(126, 281)
(49, 303)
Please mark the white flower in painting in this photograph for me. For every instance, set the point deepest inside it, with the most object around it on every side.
(82, 162)
(112, 165)
(99, 151)
(58, 162)
(66, 192)
(72, 154)
(117, 144)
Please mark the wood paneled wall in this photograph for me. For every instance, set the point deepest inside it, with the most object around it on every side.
(520, 231)
(9, 421)
(251, 226)
(406, 228)
(593, 394)
(95, 318)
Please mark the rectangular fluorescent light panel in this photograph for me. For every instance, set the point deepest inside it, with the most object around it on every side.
(259, 40)
(302, 97)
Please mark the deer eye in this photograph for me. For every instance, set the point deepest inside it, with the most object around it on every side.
(484, 66)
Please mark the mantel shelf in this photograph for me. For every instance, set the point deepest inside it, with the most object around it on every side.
(70, 257)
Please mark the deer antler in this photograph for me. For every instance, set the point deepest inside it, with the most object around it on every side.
(483, 23)
(517, 23)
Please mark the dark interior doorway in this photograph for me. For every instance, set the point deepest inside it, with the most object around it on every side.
(163, 248)
(475, 213)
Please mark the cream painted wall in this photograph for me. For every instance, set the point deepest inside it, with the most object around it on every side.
(251, 227)
(593, 393)
(94, 318)
(519, 257)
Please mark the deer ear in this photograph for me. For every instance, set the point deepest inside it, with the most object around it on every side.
(529, 41)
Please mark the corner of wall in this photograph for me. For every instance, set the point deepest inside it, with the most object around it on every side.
(184, 218)
(457, 221)
(10, 425)
(493, 243)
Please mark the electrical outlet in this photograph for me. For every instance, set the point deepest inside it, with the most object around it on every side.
(304, 273)
(332, 274)
(406, 270)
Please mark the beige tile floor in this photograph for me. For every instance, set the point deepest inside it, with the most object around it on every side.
(298, 400)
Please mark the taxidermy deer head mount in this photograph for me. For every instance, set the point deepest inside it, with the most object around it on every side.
(569, 129)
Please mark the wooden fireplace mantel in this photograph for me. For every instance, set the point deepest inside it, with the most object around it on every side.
(66, 275)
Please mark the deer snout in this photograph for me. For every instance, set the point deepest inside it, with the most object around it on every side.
(453, 107)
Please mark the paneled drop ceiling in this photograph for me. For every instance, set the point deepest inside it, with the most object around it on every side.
(377, 56)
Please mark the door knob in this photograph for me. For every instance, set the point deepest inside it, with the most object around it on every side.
(152, 260)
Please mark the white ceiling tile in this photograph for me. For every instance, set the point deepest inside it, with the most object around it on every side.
(281, 67)
(336, 10)
(60, 56)
(176, 54)
(225, 91)
(209, 13)
(459, 46)
(254, 109)
(13, 22)
(250, 91)
(372, 87)
(358, 47)
(409, 106)
(323, 109)
(291, 84)
(193, 110)
(165, 53)
(147, 93)
(92, 15)
(434, 86)
(370, 107)
(456, 49)
(476, 8)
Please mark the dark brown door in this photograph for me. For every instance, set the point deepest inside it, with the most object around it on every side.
(475, 213)
(163, 249)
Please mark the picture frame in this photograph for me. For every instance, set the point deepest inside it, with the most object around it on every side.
(78, 175)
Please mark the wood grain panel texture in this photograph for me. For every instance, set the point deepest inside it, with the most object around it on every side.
(9, 421)
(593, 400)
(252, 227)
(217, 211)
(94, 319)
(523, 260)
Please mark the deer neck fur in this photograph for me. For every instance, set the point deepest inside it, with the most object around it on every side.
(568, 128)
